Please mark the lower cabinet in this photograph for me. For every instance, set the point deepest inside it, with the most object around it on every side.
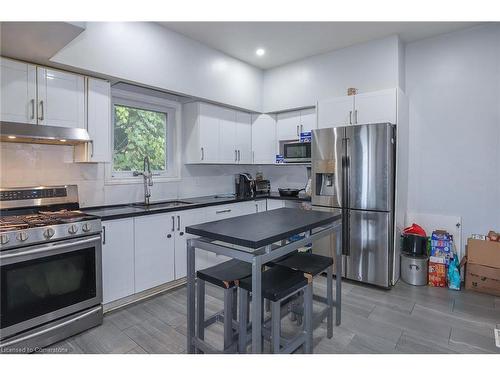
(273, 204)
(154, 250)
(117, 259)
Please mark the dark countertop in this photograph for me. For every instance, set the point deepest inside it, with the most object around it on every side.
(122, 211)
(263, 228)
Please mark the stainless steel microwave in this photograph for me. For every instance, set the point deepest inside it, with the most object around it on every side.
(296, 152)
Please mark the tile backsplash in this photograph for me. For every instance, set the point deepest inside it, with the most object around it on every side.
(31, 165)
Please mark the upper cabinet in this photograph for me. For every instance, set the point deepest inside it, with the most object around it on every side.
(365, 108)
(264, 146)
(98, 123)
(38, 95)
(61, 98)
(18, 91)
(289, 125)
(216, 135)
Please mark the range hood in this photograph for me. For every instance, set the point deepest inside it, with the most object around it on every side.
(43, 134)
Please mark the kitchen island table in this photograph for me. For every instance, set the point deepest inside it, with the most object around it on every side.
(258, 239)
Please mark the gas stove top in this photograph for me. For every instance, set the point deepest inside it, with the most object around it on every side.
(42, 214)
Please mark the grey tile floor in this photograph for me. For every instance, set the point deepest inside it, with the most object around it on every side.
(405, 319)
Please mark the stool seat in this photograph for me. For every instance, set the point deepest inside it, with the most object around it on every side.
(309, 263)
(277, 282)
(227, 274)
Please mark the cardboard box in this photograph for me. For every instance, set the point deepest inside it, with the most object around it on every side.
(486, 253)
(437, 271)
(482, 279)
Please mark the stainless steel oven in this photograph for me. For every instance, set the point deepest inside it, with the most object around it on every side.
(296, 152)
(43, 283)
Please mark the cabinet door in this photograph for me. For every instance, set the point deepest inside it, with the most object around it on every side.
(117, 259)
(182, 220)
(375, 107)
(154, 250)
(61, 98)
(288, 125)
(208, 122)
(264, 143)
(99, 119)
(308, 119)
(335, 112)
(273, 204)
(260, 206)
(17, 92)
(227, 136)
(244, 137)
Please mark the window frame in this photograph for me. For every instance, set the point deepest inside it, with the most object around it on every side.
(148, 103)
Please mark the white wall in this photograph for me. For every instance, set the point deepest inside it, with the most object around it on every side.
(453, 84)
(149, 54)
(368, 66)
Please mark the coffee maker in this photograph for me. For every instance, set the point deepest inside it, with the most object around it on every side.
(244, 185)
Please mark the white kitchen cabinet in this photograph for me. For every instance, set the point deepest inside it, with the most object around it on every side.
(335, 112)
(98, 123)
(260, 205)
(61, 98)
(117, 259)
(244, 137)
(288, 126)
(228, 153)
(273, 204)
(264, 145)
(375, 107)
(154, 250)
(182, 220)
(18, 91)
(307, 119)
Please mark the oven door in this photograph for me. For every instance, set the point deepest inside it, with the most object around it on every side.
(45, 282)
(297, 152)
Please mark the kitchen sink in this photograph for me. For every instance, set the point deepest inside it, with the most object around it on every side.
(164, 204)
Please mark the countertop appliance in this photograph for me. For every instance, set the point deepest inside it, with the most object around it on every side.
(296, 152)
(262, 187)
(353, 171)
(50, 267)
(244, 185)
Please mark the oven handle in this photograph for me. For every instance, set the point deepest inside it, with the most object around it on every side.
(49, 248)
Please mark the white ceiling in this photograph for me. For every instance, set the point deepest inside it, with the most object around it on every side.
(289, 41)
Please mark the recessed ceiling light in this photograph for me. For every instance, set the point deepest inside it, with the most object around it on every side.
(11, 137)
(62, 140)
(260, 52)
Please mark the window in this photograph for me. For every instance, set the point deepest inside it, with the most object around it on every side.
(137, 133)
(142, 126)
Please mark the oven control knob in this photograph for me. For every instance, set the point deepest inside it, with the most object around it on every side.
(22, 236)
(4, 238)
(72, 229)
(86, 227)
(48, 233)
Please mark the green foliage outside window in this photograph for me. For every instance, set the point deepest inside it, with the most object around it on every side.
(138, 133)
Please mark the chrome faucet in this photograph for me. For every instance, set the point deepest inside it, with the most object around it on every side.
(148, 179)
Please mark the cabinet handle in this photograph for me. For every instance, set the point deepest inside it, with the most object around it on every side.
(202, 154)
(173, 223)
(239, 156)
(32, 101)
(355, 116)
(256, 207)
(104, 235)
(223, 211)
(42, 115)
(297, 130)
(301, 128)
(350, 117)
(91, 148)
(178, 222)
(235, 155)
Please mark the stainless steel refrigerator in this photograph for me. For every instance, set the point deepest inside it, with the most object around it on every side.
(353, 169)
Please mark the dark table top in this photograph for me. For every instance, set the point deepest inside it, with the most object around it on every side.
(263, 228)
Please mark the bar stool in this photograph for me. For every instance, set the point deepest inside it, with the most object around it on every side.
(314, 265)
(279, 284)
(224, 275)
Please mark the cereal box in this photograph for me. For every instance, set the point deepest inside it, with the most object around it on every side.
(437, 271)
